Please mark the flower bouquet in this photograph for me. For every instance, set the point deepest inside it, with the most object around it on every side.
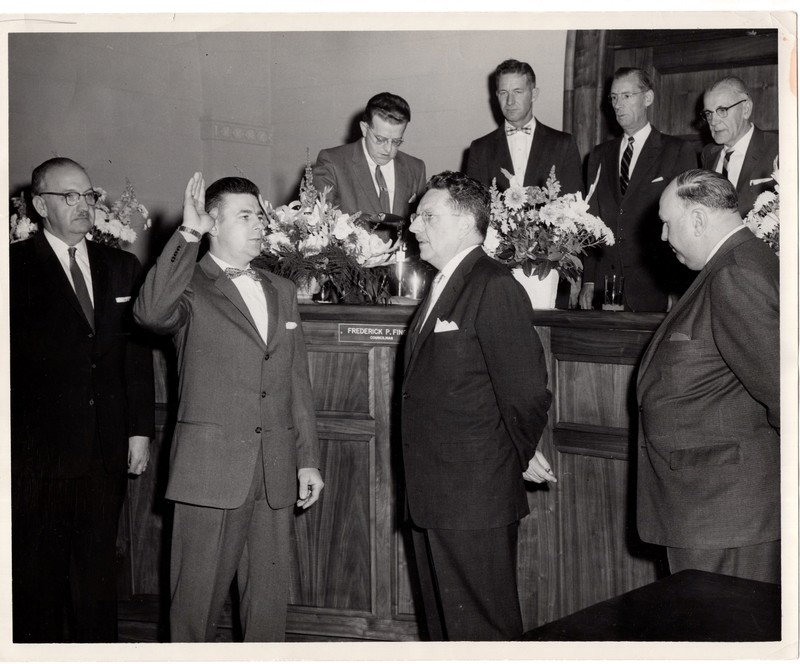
(764, 218)
(112, 225)
(535, 229)
(312, 241)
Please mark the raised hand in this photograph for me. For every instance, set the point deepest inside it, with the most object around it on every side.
(194, 204)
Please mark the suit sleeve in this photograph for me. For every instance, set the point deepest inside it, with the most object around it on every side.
(324, 174)
(590, 260)
(745, 321)
(303, 399)
(476, 164)
(515, 361)
(163, 304)
(139, 380)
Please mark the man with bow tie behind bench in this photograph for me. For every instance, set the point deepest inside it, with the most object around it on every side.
(246, 434)
(474, 404)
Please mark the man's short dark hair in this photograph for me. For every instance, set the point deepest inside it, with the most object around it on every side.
(645, 82)
(40, 172)
(389, 107)
(700, 186)
(232, 185)
(467, 194)
(515, 67)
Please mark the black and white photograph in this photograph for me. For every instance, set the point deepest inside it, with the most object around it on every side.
(400, 336)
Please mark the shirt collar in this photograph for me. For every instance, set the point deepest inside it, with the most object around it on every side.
(532, 124)
(455, 261)
(743, 143)
(721, 242)
(639, 137)
(224, 264)
(61, 247)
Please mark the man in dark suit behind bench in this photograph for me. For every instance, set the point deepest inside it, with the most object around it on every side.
(475, 403)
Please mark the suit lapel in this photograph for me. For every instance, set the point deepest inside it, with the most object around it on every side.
(52, 270)
(751, 158)
(648, 159)
(271, 294)
(101, 281)
(363, 175)
(611, 167)
(401, 186)
(537, 157)
(502, 159)
(228, 289)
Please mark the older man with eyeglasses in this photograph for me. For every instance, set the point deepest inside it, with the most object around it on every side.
(372, 175)
(626, 176)
(82, 413)
(741, 152)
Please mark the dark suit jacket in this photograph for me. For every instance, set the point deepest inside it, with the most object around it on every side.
(475, 401)
(345, 169)
(237, 394)
(759, 164)
(487, 155)
(70, 387)
(709, 395)
(639, 255)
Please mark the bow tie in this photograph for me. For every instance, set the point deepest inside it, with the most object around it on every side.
(513, 130)
(234, 272)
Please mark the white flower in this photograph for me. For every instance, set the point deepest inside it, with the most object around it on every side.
(313, 244)
(343, 227)
(492, 241)
(515, 198)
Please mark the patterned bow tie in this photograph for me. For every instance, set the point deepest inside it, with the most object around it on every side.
(234, 272)
(513, 130)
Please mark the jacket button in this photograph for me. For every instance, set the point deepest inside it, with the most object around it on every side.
(91, 402)
(263, 395)
(641, 409)
(258, 429)
(91, 336)
(266, 357)
(405, 395)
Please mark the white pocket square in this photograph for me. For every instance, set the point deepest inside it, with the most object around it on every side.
(290, 325)
(660, 178)
(124, 298)
(759, 181)
(444, 326)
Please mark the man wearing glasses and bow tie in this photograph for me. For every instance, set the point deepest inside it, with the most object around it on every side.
(523, 146)
(82, 413)
(741, 152)
(244, 451)
(628, 175)
(372, 175)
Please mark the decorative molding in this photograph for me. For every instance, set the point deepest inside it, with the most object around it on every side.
(592, 440)
(235, 132)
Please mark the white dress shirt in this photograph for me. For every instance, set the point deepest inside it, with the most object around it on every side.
(253, 295)
(639, 139)
(61, 250)
(519, 145)
(445, 274)
(388, 174)
(736, 161)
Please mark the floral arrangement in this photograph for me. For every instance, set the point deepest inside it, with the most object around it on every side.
(764, 218)
(311, 240)
(535, 229)
(112, 225)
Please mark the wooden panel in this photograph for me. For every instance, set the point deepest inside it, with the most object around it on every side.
(591, 440)
(340, 380)
(622, 345)
(593, 393)
(331, 542)
(601, 553)
(738, 51)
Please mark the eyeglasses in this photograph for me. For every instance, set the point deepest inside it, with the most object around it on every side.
(624, 96)
(72, 197)
(721, 111)
(382, 140)
(426, 217)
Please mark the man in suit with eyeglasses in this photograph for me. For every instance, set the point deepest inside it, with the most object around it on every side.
(741, 152)
(626, 177)
(372, 175)
(82, 413)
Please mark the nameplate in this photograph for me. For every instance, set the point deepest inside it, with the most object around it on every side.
(355, 333)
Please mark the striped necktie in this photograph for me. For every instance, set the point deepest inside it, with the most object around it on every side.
(79, 283)
(624, 172)
(725, 162)
(384, 191)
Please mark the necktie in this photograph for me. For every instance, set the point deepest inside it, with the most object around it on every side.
(725, 163)
(234, 272)
(384, 192)
(513, 130)
(80, 288)
(624, 172)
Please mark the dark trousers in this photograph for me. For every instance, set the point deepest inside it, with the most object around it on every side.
(63, 567)
(468, 580)
(210, 546)
(759, 562)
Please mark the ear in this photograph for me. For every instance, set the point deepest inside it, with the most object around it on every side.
(363, 126)
(534, 94)
(214, 213)
(40, 206)
(747, 109)
(699, 220)
(649, 98)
